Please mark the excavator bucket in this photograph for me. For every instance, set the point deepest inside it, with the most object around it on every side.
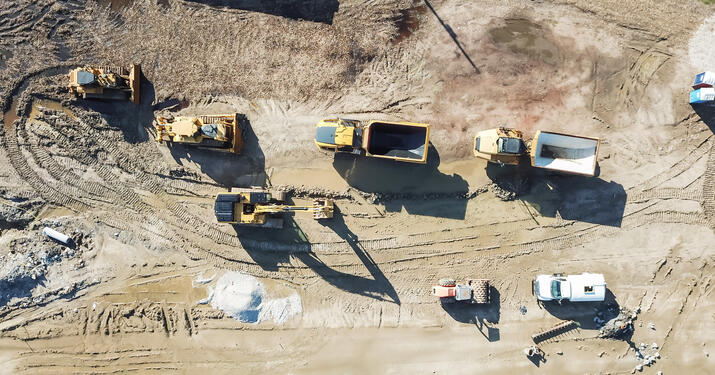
(135, 77)
(323, 209)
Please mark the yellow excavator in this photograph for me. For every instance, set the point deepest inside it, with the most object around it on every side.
(261, 208)
(104, 82)
(223, 132)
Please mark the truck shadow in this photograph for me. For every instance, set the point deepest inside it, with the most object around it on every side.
(706, 112)
(482, 316)
(225, 168)
(321, 11)
(135, 121)
(585, 313)
(421, 189)
(580, 198)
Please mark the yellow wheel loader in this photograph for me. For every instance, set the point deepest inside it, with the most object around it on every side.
(220, 131)
(261, 208)
(104, 82)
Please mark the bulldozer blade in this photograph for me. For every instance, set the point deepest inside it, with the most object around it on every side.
(135, 76)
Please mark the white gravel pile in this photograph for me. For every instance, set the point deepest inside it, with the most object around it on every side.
(243, 297)
(702, 46)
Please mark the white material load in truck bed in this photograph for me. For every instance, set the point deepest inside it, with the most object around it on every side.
(565, 153)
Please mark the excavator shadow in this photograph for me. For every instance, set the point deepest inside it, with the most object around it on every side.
(225, 168)
(706, 112)
(271, 247)
(309, 10)
(587, 199)
(484, 317)
(584, 313)
(421, 189)
(376, 286)
(134, 120)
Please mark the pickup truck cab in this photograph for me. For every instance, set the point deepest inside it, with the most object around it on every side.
(586, 287)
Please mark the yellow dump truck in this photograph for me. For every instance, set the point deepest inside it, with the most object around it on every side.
(104, 82)
(223, 132)
(566, 153)
(261, 208)
(401, 141)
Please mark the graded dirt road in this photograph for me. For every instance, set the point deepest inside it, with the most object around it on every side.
(135, 293)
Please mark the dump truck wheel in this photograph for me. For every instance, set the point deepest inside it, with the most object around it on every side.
(447, 282)
(480, 291)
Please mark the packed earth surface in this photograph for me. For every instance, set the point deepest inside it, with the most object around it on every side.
(151, 283)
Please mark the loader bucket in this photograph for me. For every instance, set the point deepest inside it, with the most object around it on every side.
(135, 76)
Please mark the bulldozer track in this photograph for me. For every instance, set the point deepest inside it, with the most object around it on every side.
(678, 168)
(709, 189)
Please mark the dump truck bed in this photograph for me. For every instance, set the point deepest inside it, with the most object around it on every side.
(402, 141)
(565, 153)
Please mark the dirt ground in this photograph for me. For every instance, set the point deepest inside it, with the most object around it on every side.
(130, 296)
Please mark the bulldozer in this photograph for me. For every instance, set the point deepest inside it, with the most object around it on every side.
(262, 208)
(104, 82)
(473, 291)
(224, 132)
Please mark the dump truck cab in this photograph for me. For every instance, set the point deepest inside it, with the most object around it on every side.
(501, 145)
(395, 140)
(586, 287)
(339, 135)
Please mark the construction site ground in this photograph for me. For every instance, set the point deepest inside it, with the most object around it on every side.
(128, 297)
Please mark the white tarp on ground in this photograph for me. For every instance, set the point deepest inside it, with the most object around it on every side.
(244, 298)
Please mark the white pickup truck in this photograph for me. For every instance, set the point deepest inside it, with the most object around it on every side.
(586, 287)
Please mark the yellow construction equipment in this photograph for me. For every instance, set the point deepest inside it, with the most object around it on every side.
(219, 131)
(501, 145)
(261, 208)
(104, 82)
(401, 141)
(565, 153)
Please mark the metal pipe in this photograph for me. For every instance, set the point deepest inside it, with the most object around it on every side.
(55, 235)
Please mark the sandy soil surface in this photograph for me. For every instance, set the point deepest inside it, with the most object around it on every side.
(141, 290)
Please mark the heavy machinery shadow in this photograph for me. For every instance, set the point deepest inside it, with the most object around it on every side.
(706, 112)
(135, 121)
(584, 313)
(377, 287)
(270, 247)
(452, 35)
(228, 169)
(587, 199)
(420, 188)
(482, 316)
(321, 11)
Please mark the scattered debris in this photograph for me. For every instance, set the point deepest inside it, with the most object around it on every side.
(618, 326)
